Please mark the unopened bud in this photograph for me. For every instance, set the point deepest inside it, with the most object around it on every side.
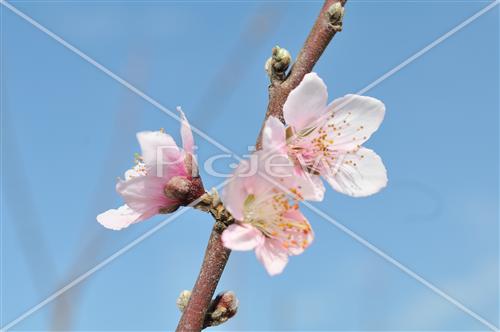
(277, 65)
(183, 189)
(282, 59)
(335, 15)
(177, 187)
(268, 67)
(223, 307)
(183, 300)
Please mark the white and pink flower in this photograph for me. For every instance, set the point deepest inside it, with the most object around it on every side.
(325, 139)
(164, 178)
(264, 204)
(319, 139)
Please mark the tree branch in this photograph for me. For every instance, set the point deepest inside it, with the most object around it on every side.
(215, 260)
(216, 256)
(329, 22)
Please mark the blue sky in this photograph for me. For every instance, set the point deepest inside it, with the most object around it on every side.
(68, 130)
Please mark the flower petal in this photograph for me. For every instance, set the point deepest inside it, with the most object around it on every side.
(355, 119)
(145, 195)
(235, 192)
(120, 218)
(273, 256)
(186, 133)
(309, 186)
(273, 135)
(306, 103)
(264, 175)
(242, 237)
(359, 173)
(156, 144)
(278, 170)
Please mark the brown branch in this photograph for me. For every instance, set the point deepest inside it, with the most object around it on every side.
(216, 256)
(329, 22)
(215, 260)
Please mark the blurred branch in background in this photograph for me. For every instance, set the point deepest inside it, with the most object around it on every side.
(93, 242)
(257, 31)
(22, 209)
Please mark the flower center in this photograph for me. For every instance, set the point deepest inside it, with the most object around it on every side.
(268, 214)
(313, 149)
(139, 169)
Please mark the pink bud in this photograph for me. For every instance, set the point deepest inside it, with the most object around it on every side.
(183, 189)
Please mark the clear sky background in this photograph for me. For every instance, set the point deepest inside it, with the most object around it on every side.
(68, 130)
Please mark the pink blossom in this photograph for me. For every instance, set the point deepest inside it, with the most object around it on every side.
(161, 166)
(268, 219)
(325, 139)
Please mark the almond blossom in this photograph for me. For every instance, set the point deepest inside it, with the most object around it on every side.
(265, 207)
(164, 178)
(325, 139)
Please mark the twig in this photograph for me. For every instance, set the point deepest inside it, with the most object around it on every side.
(216, 256)
(215, 260)
(329, 22)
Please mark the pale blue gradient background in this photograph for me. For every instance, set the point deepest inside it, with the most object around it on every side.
(68, 131)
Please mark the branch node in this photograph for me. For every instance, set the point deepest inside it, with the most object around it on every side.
(211, 203)
(221, 309)
(335, 14)
(277, 65)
